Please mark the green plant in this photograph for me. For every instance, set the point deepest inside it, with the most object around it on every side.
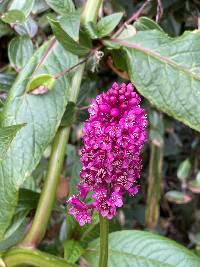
(46, 85)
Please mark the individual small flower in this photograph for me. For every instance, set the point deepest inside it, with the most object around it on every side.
(113, 137)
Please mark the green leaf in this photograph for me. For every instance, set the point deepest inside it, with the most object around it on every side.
(145, 24)
(24, 6)
(69, 115)
(184, 169)
(84, 38)
(7, 134)
(61, 6)
(139, 248)
(28, 27)
(66, 41)
(166, 71)
(72, 251)
(13, 16)
(42, 114)
(91, 30)
(107, 24)
(40, 84)
(20, 49)
(70, 23)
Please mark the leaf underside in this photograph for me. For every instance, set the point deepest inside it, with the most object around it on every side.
(142, 249)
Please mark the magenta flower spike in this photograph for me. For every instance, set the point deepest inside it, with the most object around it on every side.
(113, 137)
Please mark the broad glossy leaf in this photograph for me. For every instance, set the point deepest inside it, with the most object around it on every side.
(66, 41)
(13, 16)
(24, 6)
(142, 249)
(20, 50)
(166, 71)
(70, 23)
(107, 24)
(7, 134)
(61, 6)
(42, 115)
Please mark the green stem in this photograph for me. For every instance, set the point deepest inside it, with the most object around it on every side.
(22, 256)
(154, 186)
(104, 228)
(48, 194)
(47, 198)
(90, 11)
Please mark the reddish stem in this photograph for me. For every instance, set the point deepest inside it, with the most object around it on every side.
(134, 17)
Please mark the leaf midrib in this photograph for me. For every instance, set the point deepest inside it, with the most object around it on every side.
(158, 56)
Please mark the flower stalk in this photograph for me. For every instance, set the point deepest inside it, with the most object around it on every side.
(104, 230)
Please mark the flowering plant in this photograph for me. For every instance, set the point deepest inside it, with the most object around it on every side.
(113, 138)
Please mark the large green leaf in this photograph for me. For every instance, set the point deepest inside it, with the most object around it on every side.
(166, 71)
(20, 49)
(42, 115)
(142, 249)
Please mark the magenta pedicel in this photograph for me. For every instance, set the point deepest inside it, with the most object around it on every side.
(113, 137)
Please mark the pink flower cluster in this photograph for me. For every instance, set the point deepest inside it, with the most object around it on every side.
(113, 137)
